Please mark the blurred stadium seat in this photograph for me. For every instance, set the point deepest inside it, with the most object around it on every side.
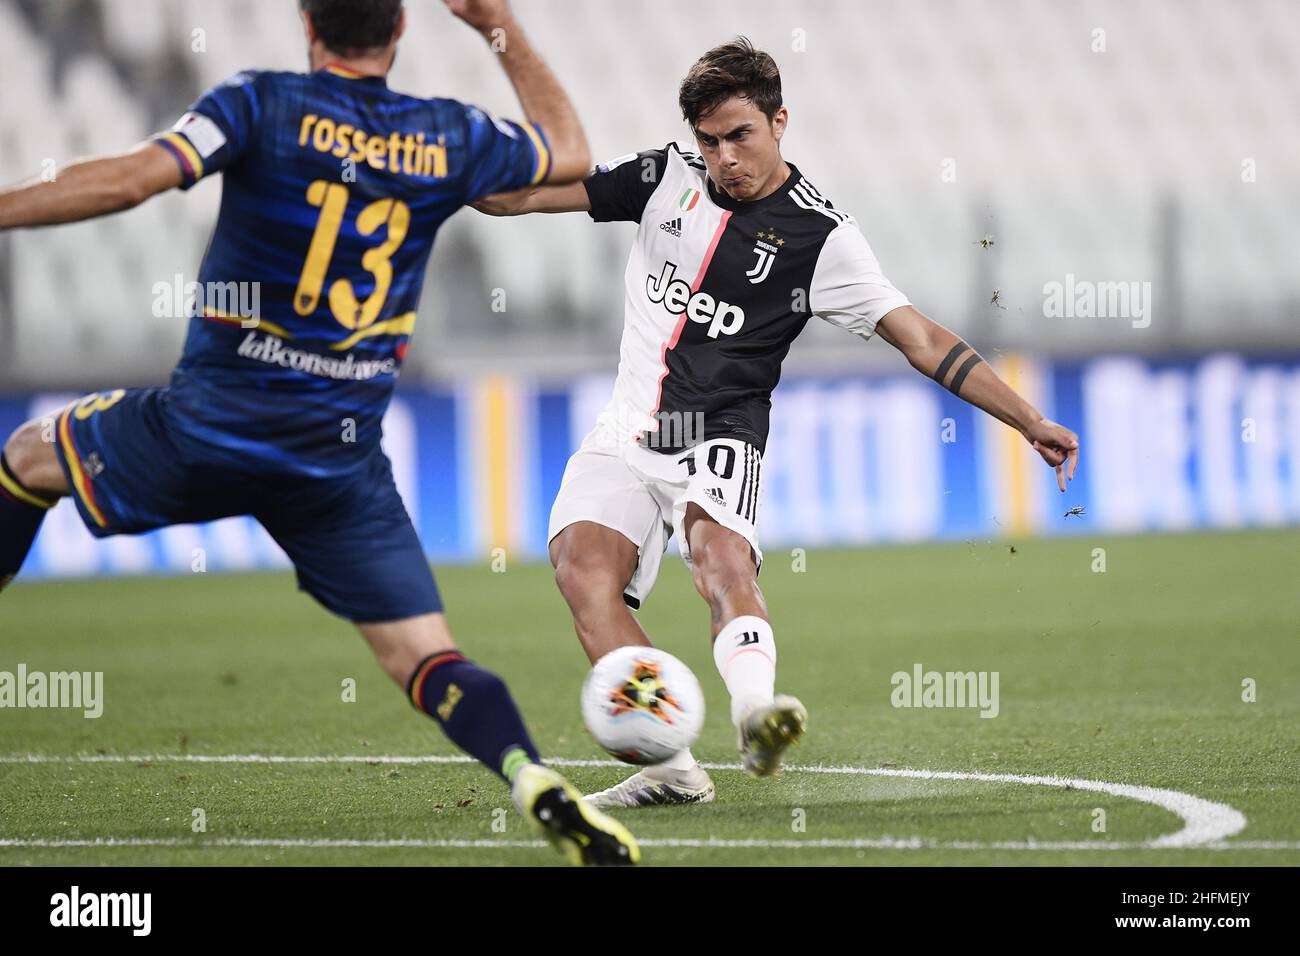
(1119, 165)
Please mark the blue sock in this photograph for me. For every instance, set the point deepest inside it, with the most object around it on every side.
(21, 514)
(474, 708)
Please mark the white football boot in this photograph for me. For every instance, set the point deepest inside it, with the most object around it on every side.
(766, 732)
(657, 787)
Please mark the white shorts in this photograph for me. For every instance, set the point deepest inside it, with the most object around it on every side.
(643, 494)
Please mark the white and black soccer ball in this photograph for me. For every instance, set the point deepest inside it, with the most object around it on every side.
(642, 705)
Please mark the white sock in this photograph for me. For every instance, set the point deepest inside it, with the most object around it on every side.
(745, 652)
(682, 760)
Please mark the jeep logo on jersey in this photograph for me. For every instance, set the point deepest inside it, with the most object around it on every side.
(723, 317)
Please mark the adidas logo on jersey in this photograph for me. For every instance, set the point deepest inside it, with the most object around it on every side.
(715, 495)
(723, 318)
(673, 227)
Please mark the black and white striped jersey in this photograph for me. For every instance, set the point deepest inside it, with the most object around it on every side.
(716, 291)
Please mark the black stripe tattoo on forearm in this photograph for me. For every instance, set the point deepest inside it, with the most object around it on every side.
(946, 364)
(962, 372)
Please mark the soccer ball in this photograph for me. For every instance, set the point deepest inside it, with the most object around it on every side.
(642, 704)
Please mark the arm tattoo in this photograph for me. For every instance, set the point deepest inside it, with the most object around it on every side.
(946, 364)
(957, 351)
(962, 372)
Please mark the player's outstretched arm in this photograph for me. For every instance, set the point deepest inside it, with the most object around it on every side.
(571, 197)
(940, 354)
(543, 99)
(89, 188)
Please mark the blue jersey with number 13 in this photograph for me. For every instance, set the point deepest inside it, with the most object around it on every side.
(333, 189)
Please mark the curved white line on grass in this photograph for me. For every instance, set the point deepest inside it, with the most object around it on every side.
(1204, 822)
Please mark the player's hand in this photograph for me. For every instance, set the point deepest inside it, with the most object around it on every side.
(1058, 445)
(482, 15)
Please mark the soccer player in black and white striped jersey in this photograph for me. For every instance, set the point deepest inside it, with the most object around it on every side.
(736, 249)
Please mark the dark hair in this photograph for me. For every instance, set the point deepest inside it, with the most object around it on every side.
(732, 69)
(349, 26)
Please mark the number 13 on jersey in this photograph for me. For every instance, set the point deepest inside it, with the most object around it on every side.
(332, 201)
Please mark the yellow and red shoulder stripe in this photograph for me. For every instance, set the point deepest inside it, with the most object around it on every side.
(80, 483)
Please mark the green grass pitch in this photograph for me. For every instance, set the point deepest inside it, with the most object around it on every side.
(1132, 676)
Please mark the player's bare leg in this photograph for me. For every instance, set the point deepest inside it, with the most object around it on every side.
(30, 452)
(401, 646)
(744, 648)
(593, 567)
(31, 482)
(475, 710)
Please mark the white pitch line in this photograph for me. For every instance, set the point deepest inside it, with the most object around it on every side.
(880, 843)
(1204, 822)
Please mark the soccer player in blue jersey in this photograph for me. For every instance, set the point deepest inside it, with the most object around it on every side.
(333, 189)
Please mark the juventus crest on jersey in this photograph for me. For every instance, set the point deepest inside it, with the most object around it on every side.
(717, 289)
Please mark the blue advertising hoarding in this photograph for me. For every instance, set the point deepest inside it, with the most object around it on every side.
(1201, 443)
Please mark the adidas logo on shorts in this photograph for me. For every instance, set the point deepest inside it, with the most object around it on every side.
(673, 227)
(715, 495)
